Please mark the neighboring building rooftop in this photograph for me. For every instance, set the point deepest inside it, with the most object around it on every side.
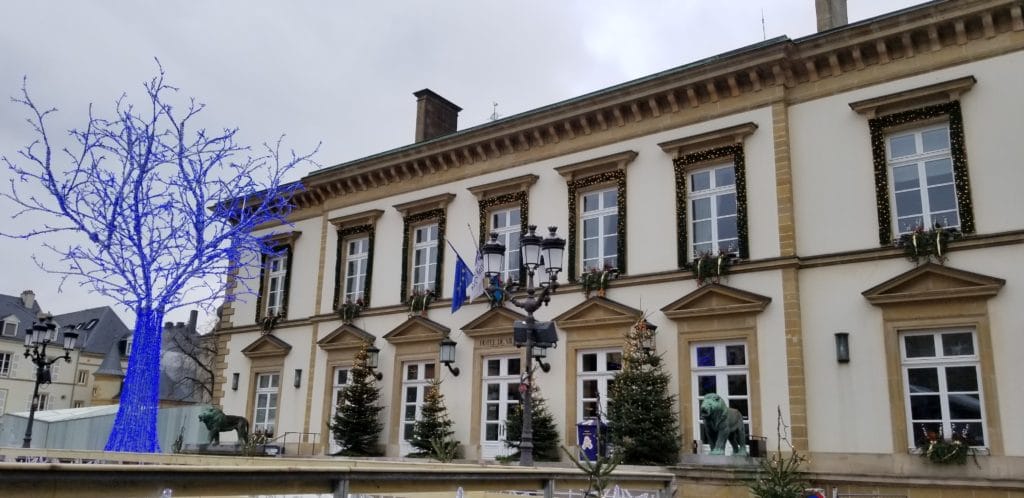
(98, 328)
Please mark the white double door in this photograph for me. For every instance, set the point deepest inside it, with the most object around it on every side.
(500, 395)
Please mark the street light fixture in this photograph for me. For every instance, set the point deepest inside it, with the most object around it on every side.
(41, 334)
(536, 251)
(373, 362)
(448, 355)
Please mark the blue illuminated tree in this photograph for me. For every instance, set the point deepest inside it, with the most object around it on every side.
(153, 212)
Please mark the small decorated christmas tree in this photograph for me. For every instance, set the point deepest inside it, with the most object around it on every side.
(434, 427)
(356, 425)
(641, 415)
(545, 434)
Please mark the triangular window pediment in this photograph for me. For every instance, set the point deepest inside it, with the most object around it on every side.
(598, 311)
(492, 321)
(267, 346)
(716, 300)
(933, 282)
(417, 329)
(346, 336)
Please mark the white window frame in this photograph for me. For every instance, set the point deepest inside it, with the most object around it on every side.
(357, 257)
(6, 364)
(339, 383)
(44, 402)
(11, 324)
(419, 381)
(605, 255)
(277, 273)
(265, 401)
(424, 273)
(940, 362)
(603, 375)
(507, 223)
(507, 382)
(927, 218)
(78, 403)
(83, 377)
(721, 371)
(712, 194)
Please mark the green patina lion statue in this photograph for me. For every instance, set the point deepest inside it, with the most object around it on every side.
(217, 422)
(722, 424)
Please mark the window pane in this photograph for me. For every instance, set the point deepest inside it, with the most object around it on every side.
(935, 139)
(614, 362)
(512, 391)
(590, 389)
(589, 409)
(903, 145)
(700, 181)
(705, 356)
(513, 217)
(492, 411)
(725, 177)
(909, 224)
(923, 431)
(407, 431)
(919, 346)
(492, 432)
(706, 384)
(726, 204)
(428, 371)
(513, 366)
(905, 177)
(737, 385)
(410, 395)
(590, 250)
(973, 432)
(701, 208)
(962, 378)
(726, 228)
(493, 367)
(741, 405)
(610, 224)
(493, 392)
(702, 231)
(941, 198)
(908, 203)
(736, 355)
(590, 362)
(410, 412)
(958, 344)
(412, 372)
(923, 380)
(939, 171)
(965, 406)
(925, 407)
(590, 202)
(946, 219)
(590, 227)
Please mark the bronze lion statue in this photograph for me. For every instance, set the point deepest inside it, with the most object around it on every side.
(722, 424)
(217, 422)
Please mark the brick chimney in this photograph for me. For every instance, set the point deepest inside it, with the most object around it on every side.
(435, 115)
(28, 298)
(831, 14)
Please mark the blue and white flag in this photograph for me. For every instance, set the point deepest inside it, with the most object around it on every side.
(463, 279)
(477, 287)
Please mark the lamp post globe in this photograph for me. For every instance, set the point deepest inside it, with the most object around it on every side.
(41, 334)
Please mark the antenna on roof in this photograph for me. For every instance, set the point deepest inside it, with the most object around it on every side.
(764, 32)
(494, 115)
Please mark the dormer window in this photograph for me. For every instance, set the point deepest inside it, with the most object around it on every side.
(10, 327)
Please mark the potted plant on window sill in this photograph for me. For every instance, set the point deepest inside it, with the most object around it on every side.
(594, 280)
(923, 244)
(269, 322)
(350, 310)
(419, 301)
(709, 268)
(954, 450)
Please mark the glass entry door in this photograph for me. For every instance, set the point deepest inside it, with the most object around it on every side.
(500, 395)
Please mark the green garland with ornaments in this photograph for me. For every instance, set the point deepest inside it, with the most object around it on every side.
(437, 215)
(961, 181)
(339, 259)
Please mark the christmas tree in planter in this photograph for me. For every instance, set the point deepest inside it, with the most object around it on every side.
(356, 426)
(545, 434)
(641, 415)
(434, 429)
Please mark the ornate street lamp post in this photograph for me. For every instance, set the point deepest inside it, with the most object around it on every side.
(37, 337)
(536, 252)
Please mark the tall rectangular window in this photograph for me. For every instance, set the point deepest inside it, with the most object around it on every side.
(720, 368)
(42, 403)
(596, 374)
(265, 410)
(923, 191)
(357, 254)
(77, 403)
(277, 272)
(713, 210)
(424, 258)
(3, 401)
(10, 329)
(6, 364)
(508, 225)
(942, 384)
(417, 377)
(83, 377)
(600, 220)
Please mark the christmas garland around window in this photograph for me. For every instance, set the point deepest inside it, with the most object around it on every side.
(957, 151)
(344, 233)
(681, 165)
(520, 198)
(437, 215)
(619, 178)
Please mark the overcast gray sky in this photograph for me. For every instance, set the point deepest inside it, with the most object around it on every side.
(343, 72)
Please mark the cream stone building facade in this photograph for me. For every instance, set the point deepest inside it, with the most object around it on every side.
(805, 160)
